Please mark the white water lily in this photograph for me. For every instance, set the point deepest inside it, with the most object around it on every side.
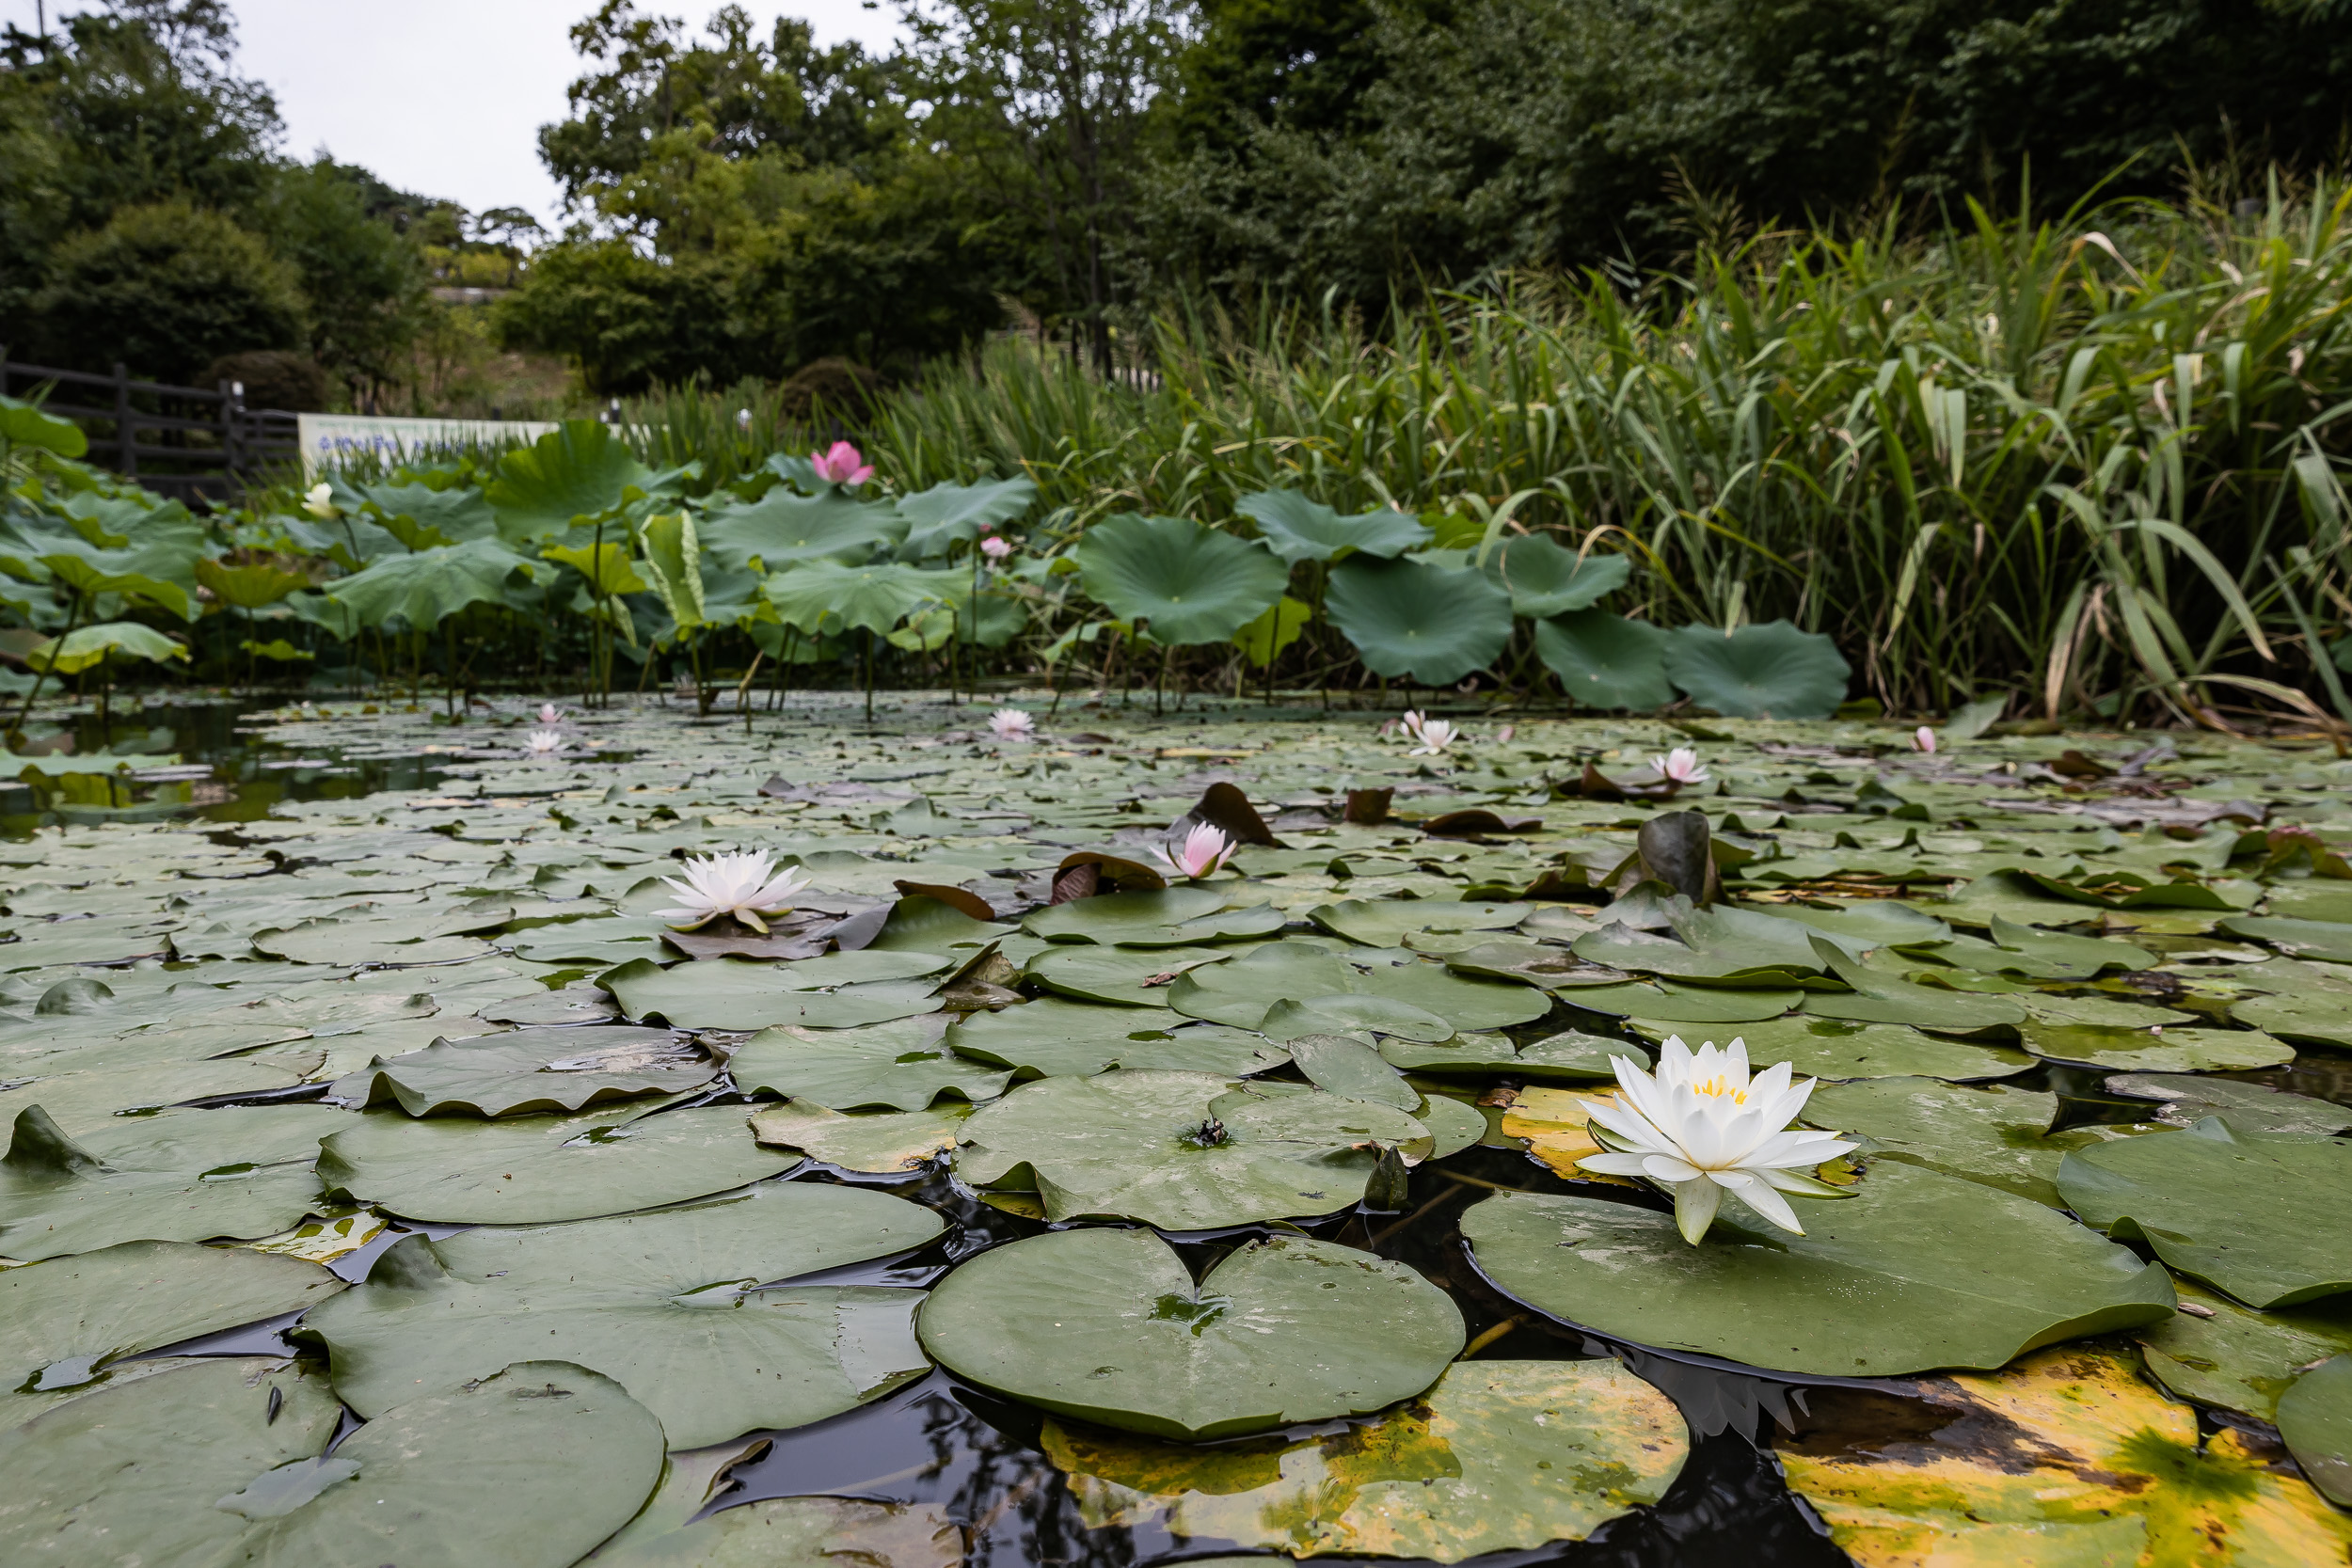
(543, 743)
(1701, 1127)
(318, 501)
(1431, 736)
(743, 884)
(1681, 765)
(1011, 723)
(1202, 853)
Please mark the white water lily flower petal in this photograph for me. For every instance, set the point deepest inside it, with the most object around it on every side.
(1011, 723)
(1203, 852)
(1703, 1124)
(543, 743)
(1681, 766)
(744, 885)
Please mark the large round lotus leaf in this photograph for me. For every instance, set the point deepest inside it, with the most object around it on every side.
(1387, 922)
(1997, 1135)
(1297, 528)
(2235, 1358)
(534, 1170)
(1668, 1002)
(1123, 977)
(130, 1474)
(2171, 1050)
(1605, 660)
(672, 1532)
(530, 1070)
(904, 1066)
(87, 1101)
(1419, 621)
(1334, 1015)
(187, 1176)
(62, 1322)
(1544, 578)
(1242, 991)
(1834, 1048)
(1069, 1039)
(2330, 939)
(1499, 1456)
(1179, 1150)
(2255, 1214)
(741, 993)
(665, 1304)
(2316, 1418)
(1108, 1327)
(2067, 1459)
(1192, 584)
(884, 1142)
(2315, 1017)
(1916, 1270)
(1768, 670)
(1162, 917)
(2184, 1098)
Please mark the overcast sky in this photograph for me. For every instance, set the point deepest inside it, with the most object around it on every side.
(446, 96)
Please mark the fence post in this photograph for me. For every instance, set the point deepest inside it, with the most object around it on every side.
(228, 428)
(127, 445)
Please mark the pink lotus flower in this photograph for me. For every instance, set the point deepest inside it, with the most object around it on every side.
(550, 713)
(996, 548)
(1505, 733)
(1431, 736)
(1203, 853)
(1681, 765)
(1924, 739)
(843, 465)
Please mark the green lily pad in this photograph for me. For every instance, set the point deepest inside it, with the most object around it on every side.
(347, 943)
(883, 1143)
(1499, 1456)
(1926, 1270)
(613, 940)
(740, 993)
(2316, 1017)
(2171, 1050)
(1473, 1052)
(1765, 670)
(1880, 998)
(1997, 1135)
(2186, 1098)
(2251, 1214)
(665, 1304)
(1063, 1039)
(84, 1102)
(672, 1532)
(1163, 917)
(1671, 1004)
(2316, 1418)
(1109, 1326)
(186, 1175)
(1605, 660)
(1574, 1054)
(64, 1323)
(2299, 939)
(904, 1066)
(534, 1170)
(1738, 964)
(2235, 1358)
(1835, 1049)
(1338, 1065)
(1179, 1151)
(1387, 922)
(1242, 991)
(1417, 619)
(528, 1070)
(1122, 976)
(1333, 1015)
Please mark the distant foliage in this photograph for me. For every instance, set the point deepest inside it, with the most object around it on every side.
(167, 289)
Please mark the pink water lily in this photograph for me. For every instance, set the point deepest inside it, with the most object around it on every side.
(1681, 765)
(550, 713)
(1431, 736)
(996, 548)
(1202, 853)
(1924, 739)
(841, 465)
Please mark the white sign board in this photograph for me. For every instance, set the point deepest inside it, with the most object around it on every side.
(331, 437)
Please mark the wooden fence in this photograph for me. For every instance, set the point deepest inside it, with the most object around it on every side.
(198, 446)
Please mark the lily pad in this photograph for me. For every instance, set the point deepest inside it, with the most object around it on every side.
(904, 1066)
(2066, 1458)
(1179, 1151)
(1163, 917)
(2316, 1418)
(1338, 1065)
(2163, 1050)
(1122, 976)
(1930, 1271)
(1572, 1053)
(347, 943)
(669, 1305)
(530, 1070)
(1881, 998)
(1835, 1048)
(741, 993)
(2233, 1357)
(673, 1532)
(64, 1323)
(2186, 1098)
(534, 1170)
(1331, 1015)
(2329, 940)
(1499, 1456)
(1387, 922)
(1242, 991)
(1997, 1135)
(84, 1102)
(1061, 1039)
(1109, 1326)
(884, 1142)
(1668, 1002)
(2315, 1017)
(2252, 1213)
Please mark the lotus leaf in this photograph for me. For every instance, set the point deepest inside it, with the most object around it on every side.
(1605, 660)
(2065, 1457)
(23, 424)
(87, 646)
(826, 594)
(528, 1070)
(1545, 580)
(781, 530)
(669, 1305)
(1297, 528)
(904, 1066)
(1188, 584)
(418, 592)
(1414, 619)
(579, 469)
(1163, 917)
(1110, 1327)
(535, 1170)
(1928, 1270)
(2316, 1418)
(2251, 1214)
(945, 514)
(1767, 670)
(742, 993)
(2220, 1354)
(1179, 1151)
(1065, 1039)
(1501, 1456)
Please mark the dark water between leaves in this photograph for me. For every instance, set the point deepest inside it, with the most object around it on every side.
(978, 1457)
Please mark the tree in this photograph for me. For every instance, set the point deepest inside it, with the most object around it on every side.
(363, 279)
(166, 288)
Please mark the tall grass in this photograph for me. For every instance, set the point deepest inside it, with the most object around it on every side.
(2097, 461)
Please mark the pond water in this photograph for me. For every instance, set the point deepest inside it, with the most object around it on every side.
(286, 936)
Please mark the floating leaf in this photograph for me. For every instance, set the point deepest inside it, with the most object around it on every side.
(1997, 1135)
(1109, 1326)
(1387, 922)
(886, 1143)
(1835, 1049)
(904, 1066)
(2220, 1354)
(2186, 1098)
(528, 1070)
(1064, 1039)
(741, 993)
(1164, 917)
(673, 1532)
(2316, 1418)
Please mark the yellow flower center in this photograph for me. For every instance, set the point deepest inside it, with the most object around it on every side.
(1718, 1086)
